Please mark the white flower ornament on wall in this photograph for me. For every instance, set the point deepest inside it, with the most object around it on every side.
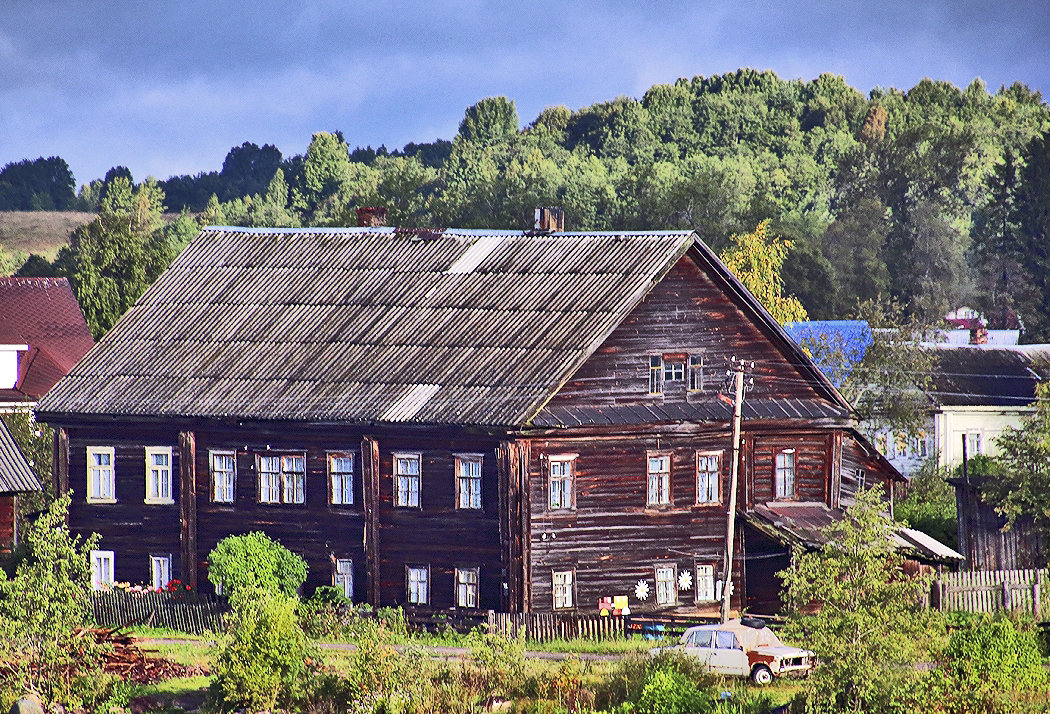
(641, 590)
(685, 580)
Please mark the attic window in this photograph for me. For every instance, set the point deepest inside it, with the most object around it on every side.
(674, 371)
(696, 373)
(656, 374)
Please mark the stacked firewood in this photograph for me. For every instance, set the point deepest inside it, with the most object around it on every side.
(131, 663)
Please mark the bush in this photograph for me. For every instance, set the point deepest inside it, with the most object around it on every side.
(255, 561)
(496, 666)
(994, 655)
(667, 691)
(625, 684)
(262, 661)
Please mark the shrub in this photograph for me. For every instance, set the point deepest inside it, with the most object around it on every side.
(496, 666)
(626, 682)
(994, 655)
(255, 561)
(668, 691)
(262, 660)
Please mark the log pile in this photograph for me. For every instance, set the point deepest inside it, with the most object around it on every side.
(131, 663)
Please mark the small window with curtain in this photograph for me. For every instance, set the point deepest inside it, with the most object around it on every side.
(468, 481)
(696, 373)
(466, 587)
(666, 585)
(343, 576)
(659, 480)
(656, 374)
(102, 484)
(708, 477)
(418, 584)
(158, 474)
(407, 480)
(341, 478)
(223, 476)
(561, 488)
(102, 566)
(160, 571)
(785, 474)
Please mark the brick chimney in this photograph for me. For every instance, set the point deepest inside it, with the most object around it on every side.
(550, 219)
(371, 216)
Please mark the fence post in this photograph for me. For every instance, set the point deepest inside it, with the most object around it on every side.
(490, 618)
(1006, 596)
(1037, 610)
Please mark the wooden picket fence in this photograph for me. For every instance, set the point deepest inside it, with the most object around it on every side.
(195, 613)
(544, 627)
(991, 591)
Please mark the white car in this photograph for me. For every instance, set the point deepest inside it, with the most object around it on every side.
(744, 649)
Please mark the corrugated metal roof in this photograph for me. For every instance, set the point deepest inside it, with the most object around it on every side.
(16, 475)
(978, 375)
(360, 324)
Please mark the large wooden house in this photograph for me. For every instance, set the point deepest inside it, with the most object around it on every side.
(521, 421)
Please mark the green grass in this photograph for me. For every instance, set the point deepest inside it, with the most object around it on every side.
(174, 695)
(40, 232)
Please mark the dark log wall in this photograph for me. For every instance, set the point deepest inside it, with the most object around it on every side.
(438, 534)
(317, 530)
(132, 529)
(686, 313)
(856, 458)
(7, 522)
(612, 538)
(765, 558)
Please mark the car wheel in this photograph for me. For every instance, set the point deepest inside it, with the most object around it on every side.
(761, 675)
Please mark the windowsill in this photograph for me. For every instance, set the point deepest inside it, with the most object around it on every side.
(342, 505)
(561, 511)
(101, 500)
(159, 501)
(281, 503)
(228, 504)
(659, 506)
(708, 504)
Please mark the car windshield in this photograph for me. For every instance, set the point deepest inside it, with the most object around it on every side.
(699, 638)
(725, 640)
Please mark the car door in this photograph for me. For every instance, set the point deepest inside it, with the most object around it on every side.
(727, 656)
(698, 645)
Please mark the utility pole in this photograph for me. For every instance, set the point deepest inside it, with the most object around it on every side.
(739, 367)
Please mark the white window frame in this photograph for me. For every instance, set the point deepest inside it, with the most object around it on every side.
(340, 481)
(417, 584)
(268, 472)
(561, 483)
(658, 482)
(101, 477)
(656, 374)
(223, 481)
(705, 583)
(468, 484)
(674, 371)
(160, 571)
(666, 576)
(159, 487)
(343, 576)
(293, 478)
(695, 376)
(974, 444)
(563, 588)
(405, 496)
(862, 478)
(103, 563)
(711, 481)
(468, 587)
(280, 481)
(785, 474)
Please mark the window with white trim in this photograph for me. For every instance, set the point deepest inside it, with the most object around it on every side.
(563, 582)
(418, 579)
(467, 587)
(656, 374)
(282, 479)
(862, 481)
(674, 371)
(102, 562)
(159, 571)
(696, 373)
(659, 480)
(561, 487)
(666, 584)
(973, 444)
(343, 576)
(708, 476)
(705, 583)
(101, 476)
(468, 481)
(223, 476)
(785, 474)
(407, 475)
(158, 474)
(341, 478)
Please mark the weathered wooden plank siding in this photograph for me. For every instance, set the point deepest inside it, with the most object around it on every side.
(812, 454)
(438, 534)
(686, 313)
(8, 511)
(985, 544)
(612, 538)
(132, 529)
(856, 459)
(317, 530)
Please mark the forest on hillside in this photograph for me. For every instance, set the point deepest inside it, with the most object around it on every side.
(933, 197)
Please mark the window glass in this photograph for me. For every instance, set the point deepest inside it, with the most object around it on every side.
(656, 374)
(725, 640)
(696, 373)
(343, 576)
(666, 585)
(705, 583)
(100, 476)
(702, 638)
(160, 571)
(563, 589)
(785, 474)
(561, 486)
(418, 591)
(707, 478)
(406, 480)
(659, 490)
(158, 474)
(468, 477)
(466, 587)
(341, 476)
(223, 475)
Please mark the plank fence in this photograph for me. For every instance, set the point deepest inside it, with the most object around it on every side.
(991, 591)
(544, 627)
(194, 613)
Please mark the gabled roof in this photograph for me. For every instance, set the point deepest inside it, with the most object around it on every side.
(976, 375)
(16, 475)
(473, 327)
(44, 314)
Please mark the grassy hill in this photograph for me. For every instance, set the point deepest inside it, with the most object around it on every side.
(40, 232)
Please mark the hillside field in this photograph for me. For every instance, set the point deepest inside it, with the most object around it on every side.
(40, 232)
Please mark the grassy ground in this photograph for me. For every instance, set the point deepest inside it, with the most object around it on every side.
(40, 232)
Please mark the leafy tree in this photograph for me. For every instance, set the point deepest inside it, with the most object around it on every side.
(868, 616)
(248, 169)
(491, 120)
(1021, 487)
(112, 260)
(255, 561)
(758, 260)
(325, 170)
(1029, 246)
(37, 185)
(853, 244)
(40, 610)
(930, 505)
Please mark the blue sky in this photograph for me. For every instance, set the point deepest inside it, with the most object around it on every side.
(168, 86)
